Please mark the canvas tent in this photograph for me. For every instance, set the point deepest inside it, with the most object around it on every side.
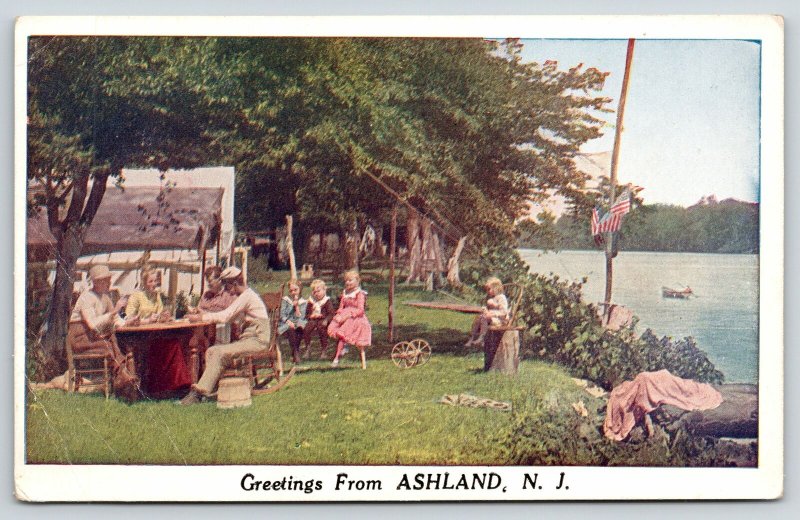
(142, 218)
(174, 221)
(210, 177)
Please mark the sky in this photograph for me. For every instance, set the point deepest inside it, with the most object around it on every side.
(691, 121)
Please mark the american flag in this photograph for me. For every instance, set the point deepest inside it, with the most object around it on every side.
(595, 222)
(608, 223)
(622, 205)
(596, 234)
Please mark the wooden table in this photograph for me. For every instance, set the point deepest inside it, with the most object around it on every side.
(135, 339)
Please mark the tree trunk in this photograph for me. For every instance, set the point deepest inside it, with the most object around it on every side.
(414, 244)
(351, 240)
(302, 238)
(501, 351)
(55, 337)
(379, 248)
(392, 243)
(453, 277)
(425, 252)
(290, 248)
(69, 234)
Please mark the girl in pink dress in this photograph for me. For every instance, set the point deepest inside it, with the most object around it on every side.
(350, 325)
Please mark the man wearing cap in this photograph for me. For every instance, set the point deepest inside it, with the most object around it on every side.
(254, 338)
(91, 329)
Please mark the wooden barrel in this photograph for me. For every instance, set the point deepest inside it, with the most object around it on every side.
(234, 392)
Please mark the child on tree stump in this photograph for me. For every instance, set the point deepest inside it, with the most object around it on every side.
(494, 313)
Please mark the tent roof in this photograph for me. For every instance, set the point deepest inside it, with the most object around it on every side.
(143, 218)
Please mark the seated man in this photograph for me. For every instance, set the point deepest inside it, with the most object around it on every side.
(91, 330)
(254, 338)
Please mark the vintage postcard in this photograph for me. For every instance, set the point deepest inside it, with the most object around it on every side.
(354, 259)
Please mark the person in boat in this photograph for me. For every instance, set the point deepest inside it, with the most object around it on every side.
(91, 330)
(168, 373)
(254, 338)
(494, 313)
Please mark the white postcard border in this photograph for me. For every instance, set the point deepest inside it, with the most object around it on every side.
(224, 483)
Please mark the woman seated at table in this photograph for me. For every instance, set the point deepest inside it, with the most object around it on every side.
(166, 367)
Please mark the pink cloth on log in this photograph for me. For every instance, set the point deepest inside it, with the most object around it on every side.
(631, 400)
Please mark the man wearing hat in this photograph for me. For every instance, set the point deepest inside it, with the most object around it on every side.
(254, 338)
(91, 329)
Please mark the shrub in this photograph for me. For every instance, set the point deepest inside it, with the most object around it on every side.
(556, 435)
(560, 327)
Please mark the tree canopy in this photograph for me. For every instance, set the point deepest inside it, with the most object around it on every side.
(332, 130)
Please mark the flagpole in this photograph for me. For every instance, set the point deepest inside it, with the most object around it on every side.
(611, 237)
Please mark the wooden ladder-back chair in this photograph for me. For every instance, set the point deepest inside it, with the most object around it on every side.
(94, 366)
(514, 292)
(252, 364)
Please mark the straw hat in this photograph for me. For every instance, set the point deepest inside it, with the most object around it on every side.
(99, 272)
(231, 273)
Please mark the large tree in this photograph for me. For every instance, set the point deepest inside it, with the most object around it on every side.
(333, 130)
(96, 105)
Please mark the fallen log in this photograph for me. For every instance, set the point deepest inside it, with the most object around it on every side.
(736, 417)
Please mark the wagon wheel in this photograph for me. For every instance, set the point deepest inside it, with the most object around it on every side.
(423, 351)
(403, 355)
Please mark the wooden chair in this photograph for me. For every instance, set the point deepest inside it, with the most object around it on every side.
(514, 293)
(94, 366)
(271, 360)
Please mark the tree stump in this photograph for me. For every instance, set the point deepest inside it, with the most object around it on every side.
(501, 352)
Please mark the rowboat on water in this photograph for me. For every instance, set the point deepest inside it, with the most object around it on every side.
(666, 292)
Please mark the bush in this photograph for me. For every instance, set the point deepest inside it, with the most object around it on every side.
(554, 434)
(560, 327)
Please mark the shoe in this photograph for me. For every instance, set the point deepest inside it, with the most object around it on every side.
(193, 397)
(335, 363)
(127, 389)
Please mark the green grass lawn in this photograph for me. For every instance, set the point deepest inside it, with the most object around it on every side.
(382, 415)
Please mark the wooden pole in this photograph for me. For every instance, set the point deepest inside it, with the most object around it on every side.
(173, 288)
(392, 244)
(290, 248)
(203, 274)
(610, 238)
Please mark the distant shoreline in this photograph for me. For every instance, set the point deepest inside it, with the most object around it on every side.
(556, 251)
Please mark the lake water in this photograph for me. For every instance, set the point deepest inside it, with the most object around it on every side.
(722, 317)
